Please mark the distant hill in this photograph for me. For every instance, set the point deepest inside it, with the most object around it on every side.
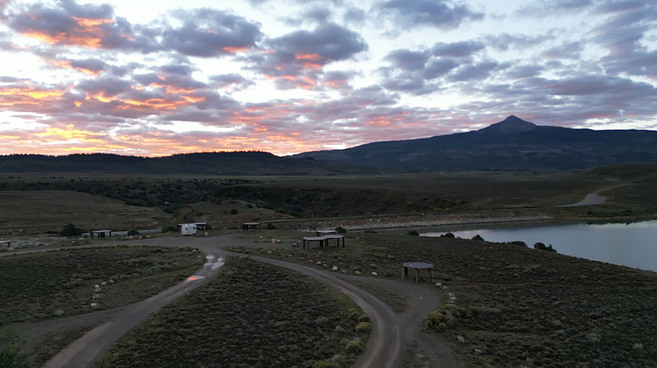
(512, 144)
(218, 163)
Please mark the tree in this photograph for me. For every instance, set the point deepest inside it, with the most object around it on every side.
(70, 230)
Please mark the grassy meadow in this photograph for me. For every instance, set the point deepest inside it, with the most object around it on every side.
(511, 306)
(57, 284)
(252, 315)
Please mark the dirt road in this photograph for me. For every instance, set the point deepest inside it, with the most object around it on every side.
(391, 332)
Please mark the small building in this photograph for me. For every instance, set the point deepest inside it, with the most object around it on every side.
(250, 226)
(101, 234)
(5, 243)
(323, 241)
(418, 266)
(188, 229)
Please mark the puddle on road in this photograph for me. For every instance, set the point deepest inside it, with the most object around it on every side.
(195, 277)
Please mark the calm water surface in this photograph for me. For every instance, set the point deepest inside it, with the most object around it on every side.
(633, 245)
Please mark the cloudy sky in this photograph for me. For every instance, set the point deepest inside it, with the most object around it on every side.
(158, 77)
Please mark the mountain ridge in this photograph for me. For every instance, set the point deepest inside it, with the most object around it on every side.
(509, 145)
(512, 144)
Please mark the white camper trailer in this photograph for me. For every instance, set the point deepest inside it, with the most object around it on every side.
(188, 229)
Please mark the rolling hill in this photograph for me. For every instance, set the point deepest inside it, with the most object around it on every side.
(208, 163)
(510, 145)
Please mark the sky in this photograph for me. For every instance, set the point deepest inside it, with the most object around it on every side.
(161, 77)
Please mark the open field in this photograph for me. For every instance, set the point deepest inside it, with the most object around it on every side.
(58, 284)
(30, 212)
(252, 315)
(513, 306)
(39, 203)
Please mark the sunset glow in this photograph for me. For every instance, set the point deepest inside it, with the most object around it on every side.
(286, 77)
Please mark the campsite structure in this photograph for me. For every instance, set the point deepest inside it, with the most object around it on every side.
(417, 266)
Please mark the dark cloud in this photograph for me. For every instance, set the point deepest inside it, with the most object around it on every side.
(545, 8)
(107, 87)
(330, 42)
(623, 35)
(475, 72)
(461, 49)
(407, 59)
(209, 32)
(443, 14)
(523, 71)
(567, 50)
(67, 23)
(354, 16)
(439, 67)
(318, 14)
(338, 80)
(234, 81)
(298, 57)
(417, 72)
(92, 65)
(506, 41)
(605, 7)
(180, 69)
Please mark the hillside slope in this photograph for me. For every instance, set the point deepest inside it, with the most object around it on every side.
(512, 144)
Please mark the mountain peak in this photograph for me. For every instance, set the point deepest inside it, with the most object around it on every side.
(511, 124)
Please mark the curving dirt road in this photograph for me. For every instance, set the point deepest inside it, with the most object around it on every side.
(385, 348)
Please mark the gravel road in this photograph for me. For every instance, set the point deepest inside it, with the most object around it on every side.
(391, 332)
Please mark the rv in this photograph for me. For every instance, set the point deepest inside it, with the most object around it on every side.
(188, 229)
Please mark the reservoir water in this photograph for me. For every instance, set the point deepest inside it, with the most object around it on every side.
(632, 244)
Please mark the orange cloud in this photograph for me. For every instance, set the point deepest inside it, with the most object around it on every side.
(310, 57)
(12, 96)
(66, 64)
(86, 32)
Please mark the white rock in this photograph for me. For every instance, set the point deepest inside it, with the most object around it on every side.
(334, 268)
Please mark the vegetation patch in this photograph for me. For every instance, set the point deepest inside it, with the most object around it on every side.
(66, 282)
(252, 315)
(513, 306)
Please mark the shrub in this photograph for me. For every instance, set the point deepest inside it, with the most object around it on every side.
(170, 229)
(234, 212)
(326, 364)
(70, 230)
(477, 237)
(133, 232)
(340, 230)
(541, 246)
(413, 233)
(519, 243)
(10, 355)
(447, 235)
(354, 347)
(363, 327)
(441, 319)
(271, 226)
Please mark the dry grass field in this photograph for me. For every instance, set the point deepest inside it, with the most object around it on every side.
(508, 306)
(33, 212)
